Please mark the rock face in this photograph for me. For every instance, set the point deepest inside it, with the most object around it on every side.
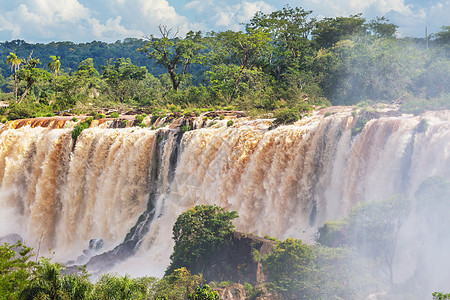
(240, 260)
(234, 292)
(10, 239)
(238, 292)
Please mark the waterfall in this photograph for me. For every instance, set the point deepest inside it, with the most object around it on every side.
(130, 184)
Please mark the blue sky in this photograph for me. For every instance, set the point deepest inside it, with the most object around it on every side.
(110, 20)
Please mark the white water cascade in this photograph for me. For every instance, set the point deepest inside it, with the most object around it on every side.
(283, 182)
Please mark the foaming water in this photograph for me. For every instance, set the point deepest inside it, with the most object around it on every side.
(284, 182)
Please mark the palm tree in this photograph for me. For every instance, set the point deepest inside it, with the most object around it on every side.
(15, 62)
(54, 66)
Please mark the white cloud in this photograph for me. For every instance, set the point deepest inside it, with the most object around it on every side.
(226, 15)
(45, 20)
(109, 20)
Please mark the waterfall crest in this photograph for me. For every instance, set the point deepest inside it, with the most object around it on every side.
(132, 183)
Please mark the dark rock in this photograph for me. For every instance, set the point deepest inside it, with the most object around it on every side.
(239, 260)
(10, 239)
(96, 244)
(233, 292)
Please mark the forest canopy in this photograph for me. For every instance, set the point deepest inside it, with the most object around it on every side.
(283, 63)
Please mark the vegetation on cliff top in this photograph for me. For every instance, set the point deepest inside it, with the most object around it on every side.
(283, 64)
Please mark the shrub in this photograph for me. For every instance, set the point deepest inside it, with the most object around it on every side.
(77, 131)
(185, 128)
(198, 233)
(89, 120)
(204, 293)
(422, 126)
(139, 118)
(74, 119)
(286, 115)
(230, 123)
(114, 115)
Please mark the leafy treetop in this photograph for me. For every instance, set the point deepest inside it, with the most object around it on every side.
(197, 233)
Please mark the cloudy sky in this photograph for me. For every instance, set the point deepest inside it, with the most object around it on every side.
(110, 20)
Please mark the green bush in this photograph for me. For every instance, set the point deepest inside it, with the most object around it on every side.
(89, 120)
(198, 233)
(185, 128)
(204, 293)
(114, 115)
(286, 115)
(77, 130)
(139, 118)
(230, 123)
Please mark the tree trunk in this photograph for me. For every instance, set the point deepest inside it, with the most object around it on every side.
(25, 92)
(236, 84)
(173, 78)
(15, 84)
(56, 87)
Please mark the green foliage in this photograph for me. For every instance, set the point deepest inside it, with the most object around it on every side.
(299, 271)
(330, 31)
(15, 269)
(204, 293)
(198, 233)
(80, 127)
(173, 53)
(230, 123)
(284, 60)
(185, 128)
(332, 234)
(443, 37)
(139, 118)
(381, 27)
(256, 255)
(372, 227)
(286, 115)
(289, 266)
(46, 283)
(112, 286)
(440, 296)
(114, 115)
(418, 105)
(177, 285)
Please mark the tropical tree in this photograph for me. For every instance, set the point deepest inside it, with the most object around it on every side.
(235, 57)
(15, 62)
(113, 286)
(204, 293)
(173, 53)
(177, 285)
(443, 37)
(373, 228)
(54, 65)
(290, 30)
(30, 74)
(46, 282)
(123, 78)
(329, 31)
(198, 233)
(15, 269)
(381, 27)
